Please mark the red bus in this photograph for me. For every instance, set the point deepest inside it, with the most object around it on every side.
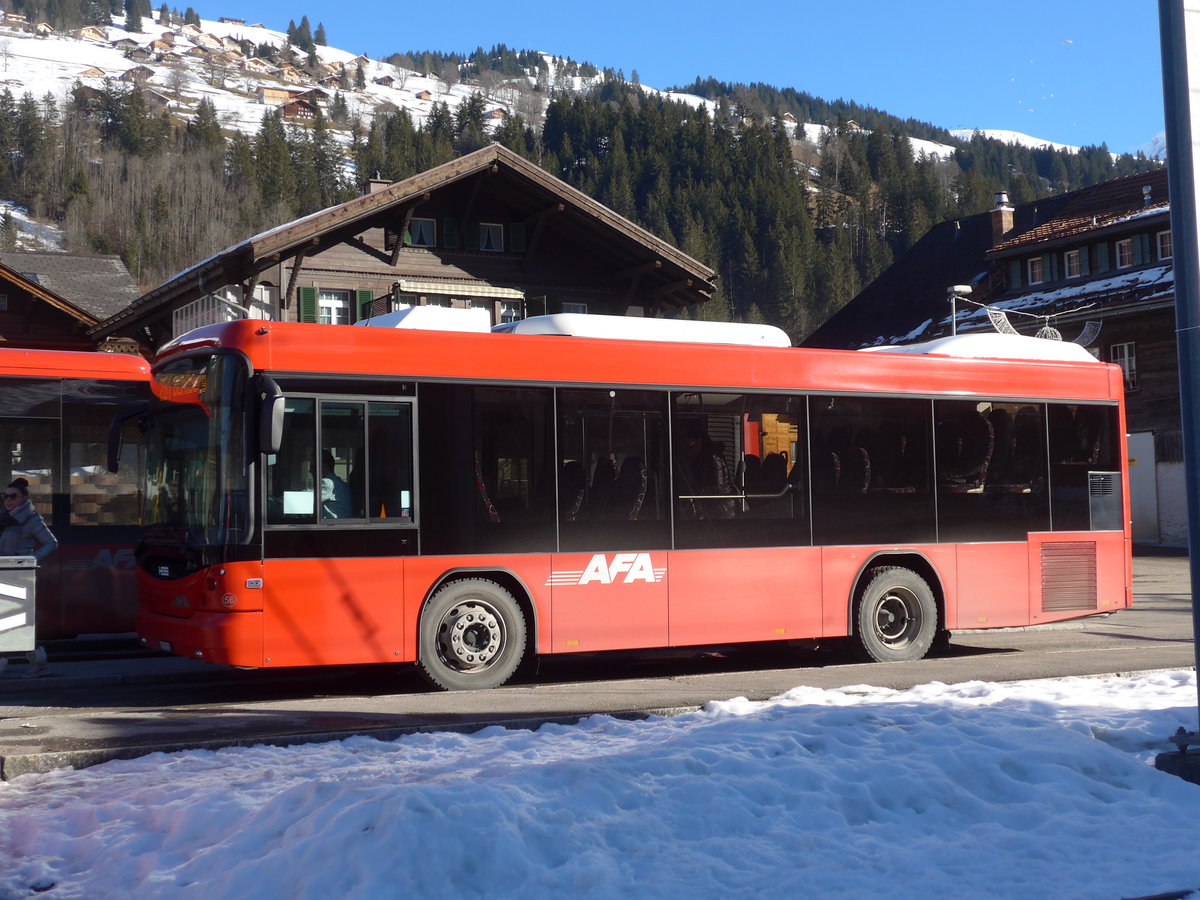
(55, 410)
(463, 501)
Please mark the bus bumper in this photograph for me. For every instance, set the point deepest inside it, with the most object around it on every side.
(228, 638)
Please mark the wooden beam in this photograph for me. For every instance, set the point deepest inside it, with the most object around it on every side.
(682, 285)
(638, 271)
(297, 262)
(404, 226)
(359, 244)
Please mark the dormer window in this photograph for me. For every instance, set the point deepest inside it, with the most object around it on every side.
(1071, 264)
(1125, 253)
(491, 237)
(422, 233)
(1162, 242)
(1033, 270)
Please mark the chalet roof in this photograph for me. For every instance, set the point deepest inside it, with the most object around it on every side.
(97, 286)
(1096, 208)
(676, 278)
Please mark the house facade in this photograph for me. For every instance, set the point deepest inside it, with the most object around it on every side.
(1094, 267)
(488, 230)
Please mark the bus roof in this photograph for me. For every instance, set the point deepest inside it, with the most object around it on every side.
(72, 364)
(406, 354)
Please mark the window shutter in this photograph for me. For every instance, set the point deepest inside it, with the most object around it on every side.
(1102, 257)
(1050, 267)
(1083, 261)
(1138, 256)
(308, 303)
(1147, 255)
(1016, 274)
(516, 237)
(472, 229)
(450, 233)
(363, 300)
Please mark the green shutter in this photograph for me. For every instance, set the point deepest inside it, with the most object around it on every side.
(363, 300)
(1050, 267)
(516, 237)
(472, 230)
(450, 233)
(308, 303)
(1016, 274)
(1084, 268)
(1138, 256)
(1102, 257)
(1147, 254)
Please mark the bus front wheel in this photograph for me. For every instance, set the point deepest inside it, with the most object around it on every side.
(897, 616)
(472, 636)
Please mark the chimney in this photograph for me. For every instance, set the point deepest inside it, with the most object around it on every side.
(375, 185)
(1002, 218)
(1145, 195)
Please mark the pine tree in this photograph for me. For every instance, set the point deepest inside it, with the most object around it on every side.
(133, 17)
(319, 37)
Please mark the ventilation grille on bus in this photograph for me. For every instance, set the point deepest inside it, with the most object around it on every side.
(1101, 484)
(1069, 576)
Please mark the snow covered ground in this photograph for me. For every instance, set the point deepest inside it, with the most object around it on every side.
(1035, 789)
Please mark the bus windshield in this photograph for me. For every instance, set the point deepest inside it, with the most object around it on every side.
(196, 484)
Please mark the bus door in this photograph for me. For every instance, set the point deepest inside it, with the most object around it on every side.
(339, 518)
(609, 580)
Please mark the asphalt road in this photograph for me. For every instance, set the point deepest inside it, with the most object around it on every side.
(94, 709)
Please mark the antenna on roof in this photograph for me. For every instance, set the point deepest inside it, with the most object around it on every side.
(953, 293)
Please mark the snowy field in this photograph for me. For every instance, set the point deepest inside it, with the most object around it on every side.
(1036, 789)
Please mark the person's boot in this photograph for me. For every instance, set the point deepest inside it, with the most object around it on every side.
(37, 663)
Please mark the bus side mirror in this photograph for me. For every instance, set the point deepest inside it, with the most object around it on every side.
(113, 463)
(270, 423)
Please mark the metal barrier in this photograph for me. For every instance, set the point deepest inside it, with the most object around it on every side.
(18, 603)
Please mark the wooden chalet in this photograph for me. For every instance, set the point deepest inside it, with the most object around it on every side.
(51, 301)
(489, 229)
(298, 108)
(137, 74)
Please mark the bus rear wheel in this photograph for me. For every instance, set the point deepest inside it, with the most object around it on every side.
(897, 616)
(472, 636)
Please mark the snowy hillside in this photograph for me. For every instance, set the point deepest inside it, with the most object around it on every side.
(186, 64)
(182, 64)
(1010, 137)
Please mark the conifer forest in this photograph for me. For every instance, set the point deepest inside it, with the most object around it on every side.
(794, 228)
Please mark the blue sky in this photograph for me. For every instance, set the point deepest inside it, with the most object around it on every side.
(1074, 73)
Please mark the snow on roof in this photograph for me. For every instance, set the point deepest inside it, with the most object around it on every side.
(687, 331)
(994, 346)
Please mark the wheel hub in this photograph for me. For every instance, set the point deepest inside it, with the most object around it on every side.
(471, 635)
(893, 619)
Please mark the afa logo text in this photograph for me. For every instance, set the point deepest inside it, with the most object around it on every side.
(620, 568)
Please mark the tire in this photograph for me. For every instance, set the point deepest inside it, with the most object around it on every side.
(471, 636)
(896, 617)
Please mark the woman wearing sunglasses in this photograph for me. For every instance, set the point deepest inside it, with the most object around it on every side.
(25, 534)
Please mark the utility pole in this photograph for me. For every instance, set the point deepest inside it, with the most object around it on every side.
(1179, 32)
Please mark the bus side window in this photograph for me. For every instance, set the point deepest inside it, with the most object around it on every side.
(389, 480)
(291, 494)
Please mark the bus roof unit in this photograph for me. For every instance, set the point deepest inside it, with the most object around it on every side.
(685, 331)
(994, 346)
